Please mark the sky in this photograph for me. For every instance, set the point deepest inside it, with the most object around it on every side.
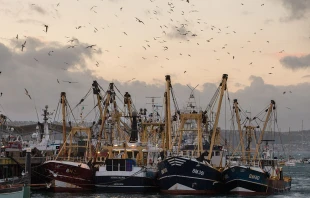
(262, 45)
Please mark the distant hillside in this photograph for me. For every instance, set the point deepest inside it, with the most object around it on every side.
(294, 141)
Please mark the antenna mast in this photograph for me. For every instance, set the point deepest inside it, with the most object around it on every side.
(153, 106)
(63, 102)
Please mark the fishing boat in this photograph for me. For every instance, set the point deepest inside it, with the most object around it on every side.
(13, 156)
(130, 167)
(191, 169)
(71, 170)
(291, 161)
(305, 160)
(18, 185)
(41, 139)
(254, 173)
(12, 191)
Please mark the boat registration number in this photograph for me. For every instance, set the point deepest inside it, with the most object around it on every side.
(256, 177)
(198, 172)
(163, 171)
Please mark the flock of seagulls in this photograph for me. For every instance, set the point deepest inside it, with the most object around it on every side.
(180, 30)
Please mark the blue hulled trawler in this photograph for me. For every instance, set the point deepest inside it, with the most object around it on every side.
(190, 164)
(253, 173)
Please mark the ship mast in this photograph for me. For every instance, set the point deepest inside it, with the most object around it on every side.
(115, 114)
(96, 91)
(259, 142)
(153, 107)
(223, 88)
(2, 119)
(127, 101)
(239, 128)
(63, 103)
(168, 142)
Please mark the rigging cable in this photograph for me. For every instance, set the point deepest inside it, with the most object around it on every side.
(82, 100)
(71, 111)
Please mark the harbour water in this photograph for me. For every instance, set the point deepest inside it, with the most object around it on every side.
(300, 188)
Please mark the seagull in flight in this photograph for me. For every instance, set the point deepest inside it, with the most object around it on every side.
(90, 46)
(139, 20)
(49, 53)
(46, 28)
(27, 93)
(23, 45)
(71, 46)
(131, 80)
(72, 40)
(68, 81)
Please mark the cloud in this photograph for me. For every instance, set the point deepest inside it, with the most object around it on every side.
(20, 70)
(258, 95)
(5, 54)
(239, 85)
(298, 9)
(295, 62)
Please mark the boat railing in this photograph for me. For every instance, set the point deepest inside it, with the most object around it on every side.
(21, 160)
(255, 163)
(185, 153)
(247, 162)
(72, 159)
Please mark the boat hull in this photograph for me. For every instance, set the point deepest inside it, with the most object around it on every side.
(12, 192)
(245, 181)
(126, 184)
(180, 175)
(39, 178)
(68, 176)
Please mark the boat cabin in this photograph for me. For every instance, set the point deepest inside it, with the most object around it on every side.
(120, 164)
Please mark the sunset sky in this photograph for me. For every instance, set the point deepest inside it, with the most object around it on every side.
(247, 39)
